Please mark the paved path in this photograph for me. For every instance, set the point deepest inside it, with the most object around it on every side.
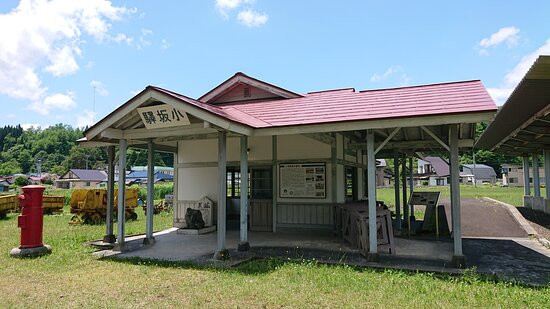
(481, 218)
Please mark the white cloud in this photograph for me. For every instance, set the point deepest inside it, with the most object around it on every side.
(252, 18)
(27, 126)
(85, 119)
(122, 38)
(165, 44)
(404, 79)
(143, 42)
(46, 36)
(508, 35)
(54, 101)
(514, 76)
(99, 88)
(224, 6)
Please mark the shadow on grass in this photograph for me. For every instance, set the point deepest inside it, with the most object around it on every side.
(263, 266)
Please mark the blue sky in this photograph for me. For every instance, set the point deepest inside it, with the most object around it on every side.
(54, 52)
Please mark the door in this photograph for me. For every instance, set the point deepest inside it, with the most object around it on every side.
(261, 199)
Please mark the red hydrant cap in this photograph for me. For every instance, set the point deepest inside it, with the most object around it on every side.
(33, 187)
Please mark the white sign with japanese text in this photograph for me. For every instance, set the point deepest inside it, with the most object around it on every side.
(307, 180)
(162, 116)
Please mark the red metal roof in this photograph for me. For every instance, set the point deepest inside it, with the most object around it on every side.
(348, 105)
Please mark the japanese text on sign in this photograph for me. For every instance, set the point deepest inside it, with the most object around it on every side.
(302, 180)
(162, 116)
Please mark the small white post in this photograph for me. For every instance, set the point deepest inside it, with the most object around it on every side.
(222, 253)
(371, 181)
(536, 176)
(110, 235)
(396, 189)
(458, 257)
(244, 245)
(175, 207)
(526, 182)
(149, 239)
(121, 245)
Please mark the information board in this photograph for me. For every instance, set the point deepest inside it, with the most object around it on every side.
(162, 116)
(306, 180)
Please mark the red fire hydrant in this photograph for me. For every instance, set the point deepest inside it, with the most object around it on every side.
(31, 222)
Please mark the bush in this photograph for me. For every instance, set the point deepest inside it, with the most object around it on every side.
(21, 181)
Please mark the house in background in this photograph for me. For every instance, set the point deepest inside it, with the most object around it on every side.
(433, 171)
(77, 178)
(163, 169)
(383, 177)
(140, 177)
(512, 175)
(481, 173)
(4, 185)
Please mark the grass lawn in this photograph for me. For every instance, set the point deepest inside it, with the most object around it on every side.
(71, 277)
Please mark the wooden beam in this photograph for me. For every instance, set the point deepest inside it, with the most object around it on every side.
(414, 144)
(435, 137)
(392, 134)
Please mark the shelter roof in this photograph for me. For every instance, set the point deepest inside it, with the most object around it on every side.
(522, 125)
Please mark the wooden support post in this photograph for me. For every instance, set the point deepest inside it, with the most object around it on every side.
(526, 182)
(244, 245)
(222, 253)
(536, 176)
(149, 239)
(396, 188)
(547, 172)
(404, 182)
(411, 187)
(275, 182)
(458, 257)
(121, 244)
(371, 180)
(110, 235)
(175, 190)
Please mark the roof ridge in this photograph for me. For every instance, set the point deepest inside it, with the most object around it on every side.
(332, 90)
(422, 85)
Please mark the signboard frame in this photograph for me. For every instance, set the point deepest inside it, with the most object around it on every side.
(313, 165)
(162, 116)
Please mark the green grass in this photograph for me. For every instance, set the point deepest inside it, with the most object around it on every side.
(71, 277)
(510, 195)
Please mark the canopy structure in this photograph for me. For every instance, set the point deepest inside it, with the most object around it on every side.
(340, 129)
(522, 128)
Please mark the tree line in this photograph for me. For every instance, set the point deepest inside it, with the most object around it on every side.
(56, 151)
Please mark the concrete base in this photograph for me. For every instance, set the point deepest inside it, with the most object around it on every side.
(208, 229)
(547, 205)
(373, 257)
(149, 241)
(243, 246)
(459, 261)
(538, 203)
(31, 252)
(528, 201)
(111, 239)
(221, 255)
(120, 247)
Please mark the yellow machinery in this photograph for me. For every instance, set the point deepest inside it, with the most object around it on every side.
(90, 205)
(53, 204)
(8, 203)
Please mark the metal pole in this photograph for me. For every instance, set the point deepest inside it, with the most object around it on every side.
(244, 245)
(371, 174)
(396, 189)
(536, 176)
(458, 257)
(149, 239)
(175, 191)
(109, 235)
(123, 144)
(221, 252)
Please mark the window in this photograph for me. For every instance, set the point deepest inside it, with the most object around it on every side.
(233, 184)
(261, 183)
(87, 184)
